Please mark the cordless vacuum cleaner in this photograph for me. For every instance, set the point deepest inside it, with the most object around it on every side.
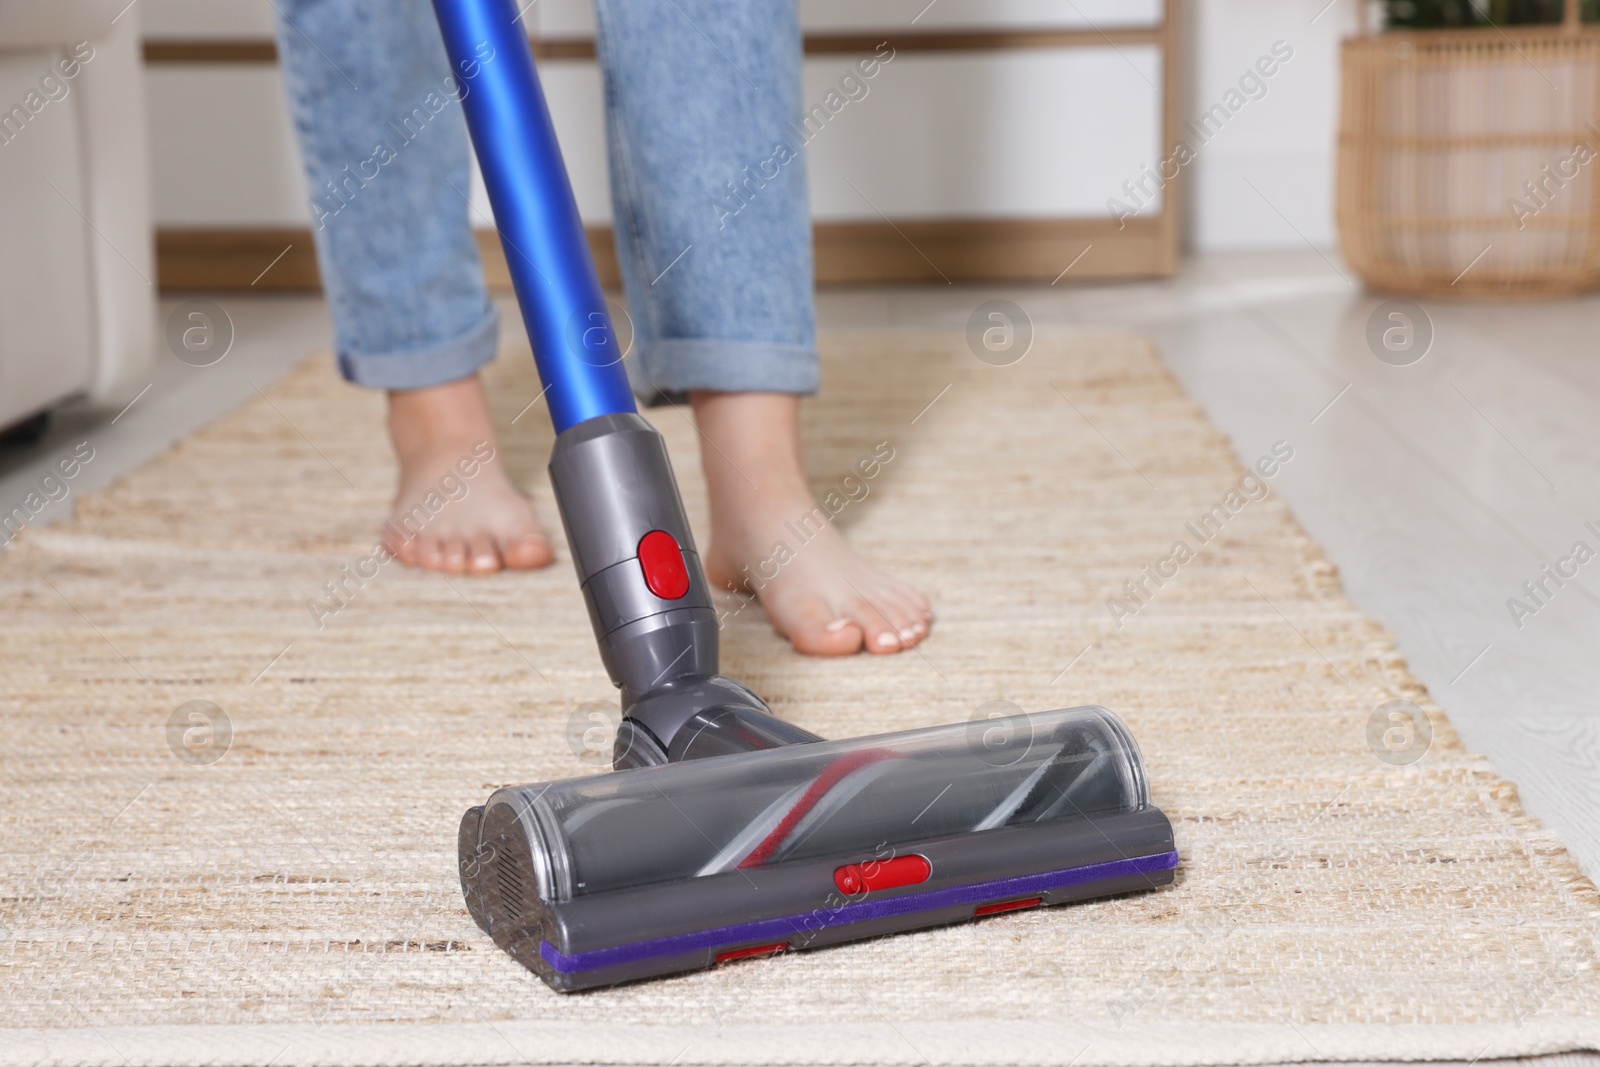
(723, 831)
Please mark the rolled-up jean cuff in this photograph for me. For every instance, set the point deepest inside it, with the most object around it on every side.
(663, 372)
(422, 368)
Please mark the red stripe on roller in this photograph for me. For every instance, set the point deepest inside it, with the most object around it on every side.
(1006, 905)
(830, 776)
(855, 878)
(754, 950)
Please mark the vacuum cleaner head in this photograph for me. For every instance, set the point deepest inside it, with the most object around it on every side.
(658, 870)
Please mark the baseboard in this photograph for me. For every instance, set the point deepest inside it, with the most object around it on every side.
(265, 50)
(992, 250)
(283, 259)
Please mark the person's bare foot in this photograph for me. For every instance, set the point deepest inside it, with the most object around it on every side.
(769, 537)
(455, 510)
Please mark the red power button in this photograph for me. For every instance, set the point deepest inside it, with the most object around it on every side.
(662, 562)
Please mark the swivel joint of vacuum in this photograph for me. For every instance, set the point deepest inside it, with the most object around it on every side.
(648, 599)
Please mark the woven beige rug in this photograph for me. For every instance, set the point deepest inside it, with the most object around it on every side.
(295, 901)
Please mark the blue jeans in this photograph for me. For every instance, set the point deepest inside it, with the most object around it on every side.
(711, 219)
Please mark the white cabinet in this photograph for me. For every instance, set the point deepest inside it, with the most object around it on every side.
(999, 142)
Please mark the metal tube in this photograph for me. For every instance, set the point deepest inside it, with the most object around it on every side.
(552, 270)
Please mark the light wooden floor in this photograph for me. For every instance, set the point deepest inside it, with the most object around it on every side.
(1438, 488)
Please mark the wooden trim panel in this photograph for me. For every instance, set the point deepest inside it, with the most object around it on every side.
(930, 251)
(256, 50)
(825, 44)
(990, 250)
(265, 259)
(263, 50)
(1171, 97)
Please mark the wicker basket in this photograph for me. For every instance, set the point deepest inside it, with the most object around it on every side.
(1440, 130)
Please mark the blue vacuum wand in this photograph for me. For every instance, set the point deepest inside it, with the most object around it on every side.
(724, 831)
(536, 213)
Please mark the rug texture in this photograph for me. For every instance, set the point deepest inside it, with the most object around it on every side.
(1343, 895)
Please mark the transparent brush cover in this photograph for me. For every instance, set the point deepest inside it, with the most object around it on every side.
(830, 799)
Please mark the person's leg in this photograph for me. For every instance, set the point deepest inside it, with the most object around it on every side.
(714, 238)
(385, 153)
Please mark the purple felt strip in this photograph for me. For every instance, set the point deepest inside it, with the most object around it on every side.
(977, 893)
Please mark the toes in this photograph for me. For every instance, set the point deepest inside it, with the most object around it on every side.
(882, 618)
(526, 552)
(477, 553)
(890, 620)
(880, 633)
(919, 604)
(403, 549)
(883, 642)
(911, 618)
(454, 556)
(482, 555)
(815, 631)
(431, 553)
(902, 617)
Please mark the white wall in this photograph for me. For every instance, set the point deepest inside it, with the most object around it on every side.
(1284, 143)
(1047, 131)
